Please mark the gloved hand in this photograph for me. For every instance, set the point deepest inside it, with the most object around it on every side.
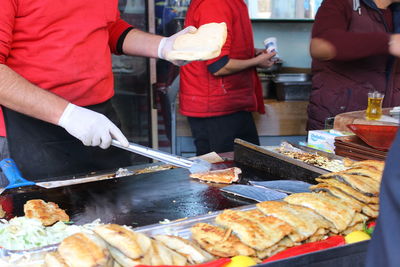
(167, 44)
(92, 128)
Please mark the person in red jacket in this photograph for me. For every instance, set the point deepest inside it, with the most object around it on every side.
(352, 48)
(55, 70)
(219, 95)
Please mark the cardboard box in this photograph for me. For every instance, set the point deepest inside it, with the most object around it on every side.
(324, 139)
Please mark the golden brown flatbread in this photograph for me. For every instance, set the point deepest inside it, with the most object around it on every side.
(376, 164)
(249, 232)
(367, 172)
(189, 249)
(54, 259)
(84, 250)
(278, 247)
(48, 213)
(273, 226)
(159, 254)
(303, 220)
(133, 245)
(365, 185)
(349, 190)
(331, 208)
(219, 242)
(225, 176)
(340, 194)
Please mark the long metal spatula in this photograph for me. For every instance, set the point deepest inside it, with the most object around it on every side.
(194, 166)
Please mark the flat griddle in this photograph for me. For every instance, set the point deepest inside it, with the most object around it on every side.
(135, 200)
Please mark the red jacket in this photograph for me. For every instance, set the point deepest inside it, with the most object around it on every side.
(203, 94)
(362, 62)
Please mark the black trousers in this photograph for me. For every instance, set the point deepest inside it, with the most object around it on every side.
(43, 150)
(218, 133)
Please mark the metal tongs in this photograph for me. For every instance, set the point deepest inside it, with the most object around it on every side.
(194, 166)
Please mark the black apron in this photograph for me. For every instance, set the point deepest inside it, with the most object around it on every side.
(43, 150)
(384, 247)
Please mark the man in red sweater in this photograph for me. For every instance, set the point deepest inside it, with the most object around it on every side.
(352, 48)
(219, 95)
(55, 70)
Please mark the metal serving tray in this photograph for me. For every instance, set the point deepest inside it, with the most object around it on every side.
(345, 256)
(180, 227)
(292, 77)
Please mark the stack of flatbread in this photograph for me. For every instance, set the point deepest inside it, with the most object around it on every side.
(341, 203)
(113, 245)
(358, 186)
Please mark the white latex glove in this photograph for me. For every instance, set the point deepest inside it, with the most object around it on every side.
(167, 44)
(92, 128)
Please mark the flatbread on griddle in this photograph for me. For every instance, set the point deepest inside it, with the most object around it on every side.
(225, 176)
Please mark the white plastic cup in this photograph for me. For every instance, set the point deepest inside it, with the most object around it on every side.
(271, 46)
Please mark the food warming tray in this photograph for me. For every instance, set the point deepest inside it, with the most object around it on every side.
(345, 256)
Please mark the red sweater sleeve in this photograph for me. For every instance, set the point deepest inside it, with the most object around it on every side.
(117, 29)
(331, 24)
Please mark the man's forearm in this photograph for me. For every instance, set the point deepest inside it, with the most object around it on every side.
(236, 65)
(20, 95)
(139, 43)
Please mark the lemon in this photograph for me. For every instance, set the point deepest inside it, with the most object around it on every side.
(241, 261)
(356, 236)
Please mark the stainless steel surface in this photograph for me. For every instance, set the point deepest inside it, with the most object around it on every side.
(292, 86)
(7, 252)
(67, 182)
(292, 77)
(194, 166)
(180, 227)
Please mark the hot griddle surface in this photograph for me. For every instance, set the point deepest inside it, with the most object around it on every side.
(132, 200)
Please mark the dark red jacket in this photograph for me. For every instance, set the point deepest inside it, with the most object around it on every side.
(203, 94)
(362, 62)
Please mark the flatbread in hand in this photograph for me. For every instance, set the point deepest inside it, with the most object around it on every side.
(206, 43)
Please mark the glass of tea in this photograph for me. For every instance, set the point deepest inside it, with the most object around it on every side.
(374, 109)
